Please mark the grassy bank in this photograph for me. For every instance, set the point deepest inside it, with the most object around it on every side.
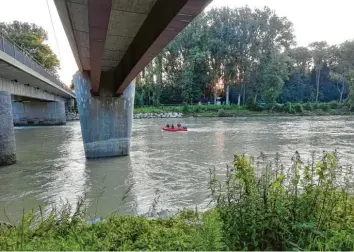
(259, 205)
(303, 109)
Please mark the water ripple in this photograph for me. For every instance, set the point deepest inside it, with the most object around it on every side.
(173, 167)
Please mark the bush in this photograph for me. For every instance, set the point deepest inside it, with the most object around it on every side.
(188, 230)
(278, 107)
(272, 207)
(224, 113)
(298, 108)
(344, 108)
(186, 109)
(288, 108)
(255, 107)
(316, 106)
(325, 107)
(308, 106)
(334, 105)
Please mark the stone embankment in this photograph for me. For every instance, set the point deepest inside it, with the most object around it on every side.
(158, 115)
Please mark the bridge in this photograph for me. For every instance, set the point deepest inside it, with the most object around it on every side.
(112, 41)
(29, 95)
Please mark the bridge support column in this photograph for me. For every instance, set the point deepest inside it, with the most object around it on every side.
(34, 112)
(106, 120)
(7, 134)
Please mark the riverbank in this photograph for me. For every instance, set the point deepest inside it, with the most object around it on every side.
(251, 213)
(307, 109)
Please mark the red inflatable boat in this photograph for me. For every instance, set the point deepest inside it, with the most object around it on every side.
(174, 129)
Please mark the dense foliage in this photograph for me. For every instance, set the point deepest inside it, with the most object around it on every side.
(259, 205)
(60, 232)
(31, 38)
(245, 56)
(306, 206)
(308, 108)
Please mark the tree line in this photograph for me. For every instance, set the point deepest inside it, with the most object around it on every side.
(246, 56)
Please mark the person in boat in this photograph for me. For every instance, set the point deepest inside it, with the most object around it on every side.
(179, 125)
(167, 126)
(172, 126)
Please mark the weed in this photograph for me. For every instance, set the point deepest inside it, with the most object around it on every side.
(305, 207)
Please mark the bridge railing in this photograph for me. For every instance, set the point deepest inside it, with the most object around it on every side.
(17, 52)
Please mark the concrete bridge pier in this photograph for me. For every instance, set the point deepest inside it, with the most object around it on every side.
(106, 120)
(35, 112)
(7, 134)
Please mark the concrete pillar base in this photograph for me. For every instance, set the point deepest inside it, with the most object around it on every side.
(7, 134)
(106, 120)
(108, 148)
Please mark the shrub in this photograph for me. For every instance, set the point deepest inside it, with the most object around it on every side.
(278, 107)
(188, 230)
(224, 113)
(344, 108)
(298, 108)
(325, 107)
(186, 109)
(272, 207)
(288, 108)
(268, 106)
(334, 105)
(254, 107)
(308, 106)
(316, 106)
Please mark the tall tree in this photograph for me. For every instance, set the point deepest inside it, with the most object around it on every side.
(32, 38)
(350, 99)
(320, 57)
(302, 58)
(187, 62)
(245, 51)
(273, 76)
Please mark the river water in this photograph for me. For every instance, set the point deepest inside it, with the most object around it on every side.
(172, 168)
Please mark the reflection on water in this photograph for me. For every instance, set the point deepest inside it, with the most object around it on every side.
(172, 166)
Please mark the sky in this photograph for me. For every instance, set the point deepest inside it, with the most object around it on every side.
(314, 20)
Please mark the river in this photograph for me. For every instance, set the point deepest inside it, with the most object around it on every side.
(172, 168)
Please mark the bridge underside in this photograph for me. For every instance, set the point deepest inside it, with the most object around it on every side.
(28, 82)
(112, 41)
(122, 36)
(33, 106)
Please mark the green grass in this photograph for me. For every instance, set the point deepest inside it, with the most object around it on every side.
(260, 205)
(181, 232)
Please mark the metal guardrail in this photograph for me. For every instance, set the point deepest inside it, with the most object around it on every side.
(21, 55)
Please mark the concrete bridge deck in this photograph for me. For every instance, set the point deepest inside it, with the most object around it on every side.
(18, 67)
